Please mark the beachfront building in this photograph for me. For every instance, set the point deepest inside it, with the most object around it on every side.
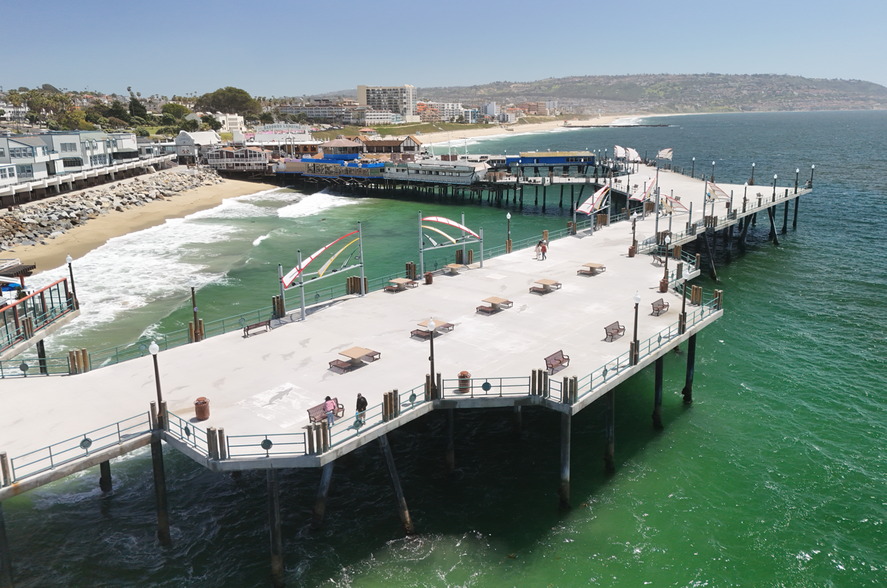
(439, 111)
(191, 146)
(439, 172)
(238, 159)
(295, 144)
(374, 144)
(491, 109)
(398, 99)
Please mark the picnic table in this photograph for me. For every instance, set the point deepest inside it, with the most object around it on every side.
(454, 268)
(358, 355)
(401, 284)
(495, 304)
(440, 326)
(547, 285)
(592, 269)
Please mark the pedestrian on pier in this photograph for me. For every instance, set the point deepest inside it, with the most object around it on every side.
(330, 407)
(544, 248)
(361, 407)
(538, 249)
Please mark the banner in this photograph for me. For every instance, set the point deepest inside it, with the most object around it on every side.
(594, 203)
(665, 154)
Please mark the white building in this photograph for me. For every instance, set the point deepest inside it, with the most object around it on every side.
(190, 146)
(399, 99)
(447, 111)
(491, 109)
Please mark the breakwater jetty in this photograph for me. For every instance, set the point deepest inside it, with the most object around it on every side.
(602, 317)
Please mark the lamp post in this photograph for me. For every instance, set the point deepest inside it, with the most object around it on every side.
(774, 187)
(635, 352)
(154, 349)
(752, 180)
(508, 240)
(712, 171)
(431, 327)
(693, 169)
(70, 260)
(797, 173)
(812, 167)
(193, 283)
(667, 242)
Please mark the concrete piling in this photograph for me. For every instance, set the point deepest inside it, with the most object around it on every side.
(566, 429)
(160, 493)
(451, 447)
(687, 392)
(326, 477)
(5, 555)
(657, 395)
(274, 524)
(105, 477)
(610, 432)
(398, 491)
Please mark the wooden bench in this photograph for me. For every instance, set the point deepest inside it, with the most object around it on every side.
(338, 364)
(659, 306)
(316, 414)
(424, 334)
(538, 290)
(556, 359)
(486, 309)
(392, 289)
(372, 356)
(420, 333)
(412, 284)
(259, 325)
(613, 330)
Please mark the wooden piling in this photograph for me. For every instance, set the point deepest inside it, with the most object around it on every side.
(771, 214)
(610, 432)
(687, 392)
(795, 213)
(785, 218)
(274, 523)
(5, 554)
(160, 493)
(566, 428)
(105, 476)
(322, 492)
(451, 446)
(657, 395)
(398, 491)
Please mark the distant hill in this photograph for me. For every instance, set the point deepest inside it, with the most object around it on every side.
(675, 93)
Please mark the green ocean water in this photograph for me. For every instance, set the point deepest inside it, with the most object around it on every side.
(776, 476)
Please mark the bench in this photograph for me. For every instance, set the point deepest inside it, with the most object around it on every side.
(538, 290)
(372, 356)
(412, 284)
(420, 333)
(659, 306)
(556, 359)
(259, 325)
(316, 414)
(392, 289)
(338, 364)
(486, 309)
(613, 330)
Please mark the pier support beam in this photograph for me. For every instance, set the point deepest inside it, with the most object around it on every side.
(771, 214)
(320, 504)
(41, 355)
(5, 555)
(395, 480)
(274, 524)
(687, 392)
(566, 429)
(795, 213)
(451, 446)
(657, 395)
(785, 218)
(105, 477)
(518, 420)
(610, 433)
(711, 257)
(160, 493)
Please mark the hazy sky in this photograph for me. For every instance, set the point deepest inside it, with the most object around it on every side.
(290, 48)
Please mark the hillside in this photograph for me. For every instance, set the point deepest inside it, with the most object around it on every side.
(675, 93)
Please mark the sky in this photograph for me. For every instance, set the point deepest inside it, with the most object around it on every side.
(297, 47)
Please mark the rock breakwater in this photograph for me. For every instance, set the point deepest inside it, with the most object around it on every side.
(34, 223)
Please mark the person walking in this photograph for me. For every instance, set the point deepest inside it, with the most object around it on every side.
(543, 247)
(538, 249)
(330, 407)
(361, 407)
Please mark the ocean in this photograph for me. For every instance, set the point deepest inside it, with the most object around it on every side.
(775, 476)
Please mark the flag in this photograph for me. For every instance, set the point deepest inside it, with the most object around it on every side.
(715, 194)
(673, 202)
(594, 203)
(633, 155)
(665, 154)
(618, 151)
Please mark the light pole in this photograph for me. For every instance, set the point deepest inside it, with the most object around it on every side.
(635, 352)
(431, 327)
(797, 173)
(154, 349)
(508, 240)
(812, 167)
(712, 171)
(752, 180)
(667, 242)
(774, 187)
(693, 169)
(70, 260)
(193, 283)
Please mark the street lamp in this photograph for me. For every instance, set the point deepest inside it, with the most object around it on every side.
(70, 260)
(774, 187)
(812, 167)
(635, 352)
(154, 349)
(667, 242)
(797, 173)
(193, 283)
(712, 171)
(431, 327)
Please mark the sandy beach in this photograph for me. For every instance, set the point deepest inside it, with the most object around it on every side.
(444, 136)
(96, 232)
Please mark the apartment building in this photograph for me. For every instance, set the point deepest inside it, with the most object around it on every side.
(398, 99)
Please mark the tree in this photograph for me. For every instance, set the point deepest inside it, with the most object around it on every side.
(266, 118)
(136, 108)
(177, 111)
(118, 110)
(211, 121)
(229, 100)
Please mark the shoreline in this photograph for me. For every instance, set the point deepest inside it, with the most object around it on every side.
(94, 233)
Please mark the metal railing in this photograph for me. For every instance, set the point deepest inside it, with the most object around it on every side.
(69, 450)
(186, 432)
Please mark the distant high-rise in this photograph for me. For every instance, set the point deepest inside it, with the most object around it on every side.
(399, 99)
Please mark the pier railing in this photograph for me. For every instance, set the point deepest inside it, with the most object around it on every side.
(69, 450)
(25, 317)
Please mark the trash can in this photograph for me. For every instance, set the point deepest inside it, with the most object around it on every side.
(631, 251)
(464, 382)
(201, 408)
(429, 277)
